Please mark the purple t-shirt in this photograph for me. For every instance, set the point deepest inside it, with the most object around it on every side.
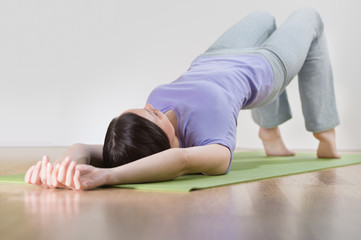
(208, 97)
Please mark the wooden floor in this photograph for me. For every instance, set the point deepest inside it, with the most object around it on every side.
(319, 205)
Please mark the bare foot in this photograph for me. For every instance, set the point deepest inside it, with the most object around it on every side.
(273, 143)
(327, 147)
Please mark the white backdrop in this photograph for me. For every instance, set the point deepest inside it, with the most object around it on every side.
(68, 67)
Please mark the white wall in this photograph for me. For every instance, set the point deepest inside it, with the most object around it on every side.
(68, 67)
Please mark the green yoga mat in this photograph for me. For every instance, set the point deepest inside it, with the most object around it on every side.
(246, 166)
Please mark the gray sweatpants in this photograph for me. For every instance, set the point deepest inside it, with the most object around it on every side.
(298, 46)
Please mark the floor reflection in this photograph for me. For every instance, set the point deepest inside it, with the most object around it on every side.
(45, 205)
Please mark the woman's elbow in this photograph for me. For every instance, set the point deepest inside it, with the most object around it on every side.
(183, 162)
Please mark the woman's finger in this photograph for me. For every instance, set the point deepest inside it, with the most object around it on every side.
(76, 180)
(54, 175)
(63, 169)
(70, 174)
(35, 178)
(43, 171)
(49, 170)
(28, 174)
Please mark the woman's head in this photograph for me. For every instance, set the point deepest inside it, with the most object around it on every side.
(135, 134)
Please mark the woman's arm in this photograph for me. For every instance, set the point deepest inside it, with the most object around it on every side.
(212, 159)
(83, 154)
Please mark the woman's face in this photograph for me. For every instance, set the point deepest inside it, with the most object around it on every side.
(157, 117)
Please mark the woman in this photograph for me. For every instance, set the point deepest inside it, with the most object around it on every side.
(189, 125)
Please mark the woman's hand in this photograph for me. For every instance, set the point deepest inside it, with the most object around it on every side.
(88, 177)
(66, 174)
(44, 174)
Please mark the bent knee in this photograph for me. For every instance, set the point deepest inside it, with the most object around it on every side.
(312, 14)
(309, 11)
(268, 19)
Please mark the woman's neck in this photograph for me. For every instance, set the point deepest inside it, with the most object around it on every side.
(173, 120)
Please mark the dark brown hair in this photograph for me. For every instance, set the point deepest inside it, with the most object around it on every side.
(130, 137)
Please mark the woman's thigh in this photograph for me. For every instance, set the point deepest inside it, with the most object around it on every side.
(292, 41)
